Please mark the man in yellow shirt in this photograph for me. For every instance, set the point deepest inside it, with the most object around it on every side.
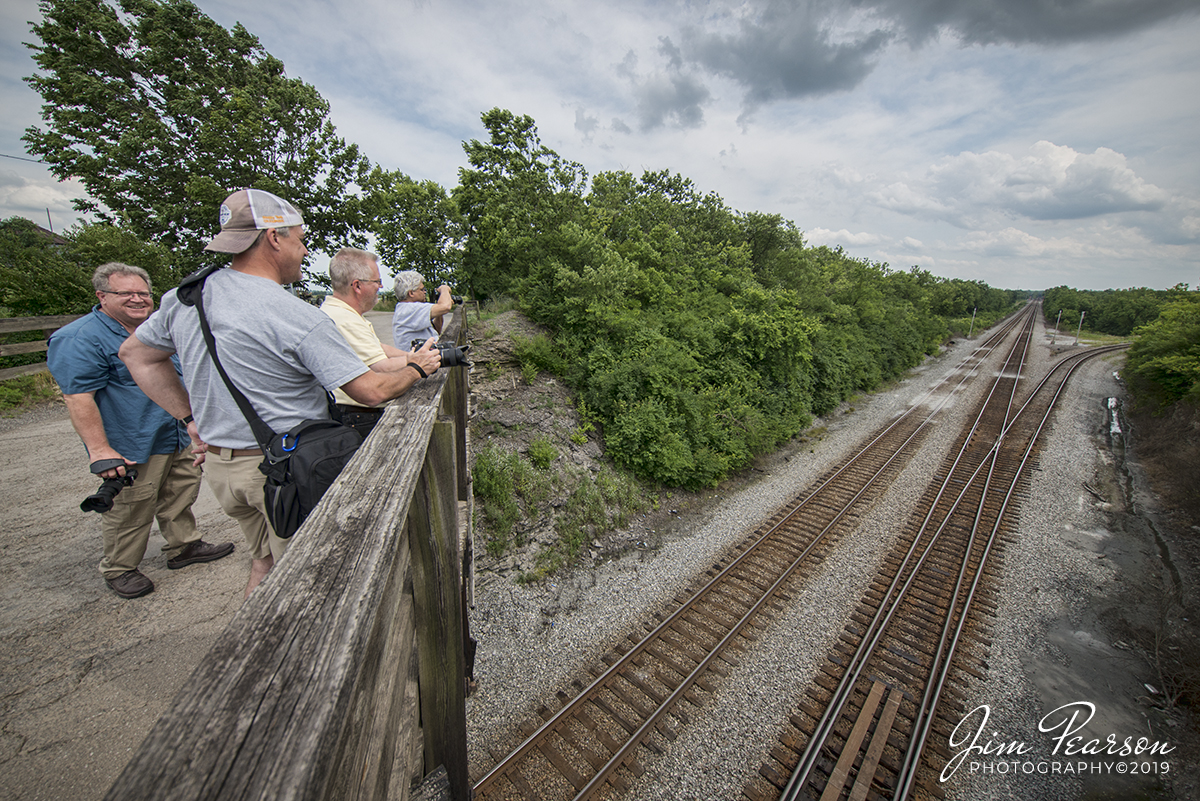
(356, 283)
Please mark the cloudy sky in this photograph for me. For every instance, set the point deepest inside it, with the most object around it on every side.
(1025, 143)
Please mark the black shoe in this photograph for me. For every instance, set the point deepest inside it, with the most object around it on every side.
(131, 584)
(199, 551)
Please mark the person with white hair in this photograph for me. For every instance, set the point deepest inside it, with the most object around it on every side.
(354, 275)
(415, 317)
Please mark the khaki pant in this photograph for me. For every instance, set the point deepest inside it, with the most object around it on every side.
(238, 484)
(165, 489)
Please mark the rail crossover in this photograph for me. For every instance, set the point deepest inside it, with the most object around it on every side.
(342, 676)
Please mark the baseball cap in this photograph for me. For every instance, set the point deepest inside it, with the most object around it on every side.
(245, 213)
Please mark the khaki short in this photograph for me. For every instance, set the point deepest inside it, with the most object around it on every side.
(237, 483)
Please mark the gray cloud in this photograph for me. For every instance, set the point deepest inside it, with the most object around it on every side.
(788, 49)
(785, 53)
(671, 98)
(585, 124)
(1025, 21)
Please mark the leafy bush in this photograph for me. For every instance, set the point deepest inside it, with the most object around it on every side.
(542, 453)
(696, 336)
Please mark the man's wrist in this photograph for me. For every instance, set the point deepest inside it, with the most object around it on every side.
(187, 420)
(417, 367)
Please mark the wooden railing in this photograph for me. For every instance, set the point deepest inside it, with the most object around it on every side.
(13, 325)
(342, 676)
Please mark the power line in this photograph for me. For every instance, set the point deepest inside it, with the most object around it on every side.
(21, 158)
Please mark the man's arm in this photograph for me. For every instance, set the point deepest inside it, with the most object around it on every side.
(390, 365)
(443, 305)
(375, 387)
(89, 425)
(393, 352)
(155, 375)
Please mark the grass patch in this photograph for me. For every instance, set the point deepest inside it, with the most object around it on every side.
(23, 392)
(508, 489)
(495, 307)
(542, 452)
(592, 507)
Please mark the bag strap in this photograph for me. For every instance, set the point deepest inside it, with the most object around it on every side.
(263, 433)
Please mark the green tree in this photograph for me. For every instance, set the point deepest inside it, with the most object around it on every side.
(38, 276)
(416, 225)
(160, 112)
(1163, 366)
(93, 244)
(516, 193)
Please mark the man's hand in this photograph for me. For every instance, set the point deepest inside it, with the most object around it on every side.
(199, 446)
(428, 357)
(373, 388)
(104, 453)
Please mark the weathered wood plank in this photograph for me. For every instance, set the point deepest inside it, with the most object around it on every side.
(11, 325)
(28, 369)
(433, 537)
(23, 347)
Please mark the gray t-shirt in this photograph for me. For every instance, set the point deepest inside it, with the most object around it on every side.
(412, 321)
(279, 351)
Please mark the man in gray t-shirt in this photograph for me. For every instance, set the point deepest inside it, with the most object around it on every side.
(282, 353)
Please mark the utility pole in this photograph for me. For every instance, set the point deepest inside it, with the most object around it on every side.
(972, 322)
(1077, 330)
(1056, 321)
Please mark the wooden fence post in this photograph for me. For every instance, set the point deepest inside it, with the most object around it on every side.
(433, 540)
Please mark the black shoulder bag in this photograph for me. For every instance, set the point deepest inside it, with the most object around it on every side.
(301, 464)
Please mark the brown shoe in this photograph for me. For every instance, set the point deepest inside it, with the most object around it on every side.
(199, 551)
(131, 584)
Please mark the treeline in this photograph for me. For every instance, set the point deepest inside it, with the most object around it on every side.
(1163, 364)
(1110, 311)
(696, 336)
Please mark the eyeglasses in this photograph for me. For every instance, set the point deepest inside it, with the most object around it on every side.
(124, 295)
(370, 281)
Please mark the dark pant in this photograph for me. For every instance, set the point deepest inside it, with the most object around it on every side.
(360, 418)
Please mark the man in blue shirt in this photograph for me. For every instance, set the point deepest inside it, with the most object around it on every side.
(118, 423)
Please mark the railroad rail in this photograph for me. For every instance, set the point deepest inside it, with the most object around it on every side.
(590, 746)
(921, 629)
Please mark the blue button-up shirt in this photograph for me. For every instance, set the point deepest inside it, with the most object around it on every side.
(82, 357)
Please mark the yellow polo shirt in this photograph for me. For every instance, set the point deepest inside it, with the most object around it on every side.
(360, 335)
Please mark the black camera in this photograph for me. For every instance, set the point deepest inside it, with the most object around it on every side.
(452, 355)
(102, 500)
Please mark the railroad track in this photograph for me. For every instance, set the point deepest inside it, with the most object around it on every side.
(876, 723)
(647, 689)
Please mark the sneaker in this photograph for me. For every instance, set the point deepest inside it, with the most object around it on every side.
(199, 551)
(131, 584)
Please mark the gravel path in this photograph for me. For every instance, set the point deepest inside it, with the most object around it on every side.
(534, 640)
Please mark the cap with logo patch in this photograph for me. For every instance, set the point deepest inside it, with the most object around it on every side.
(245, 213)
